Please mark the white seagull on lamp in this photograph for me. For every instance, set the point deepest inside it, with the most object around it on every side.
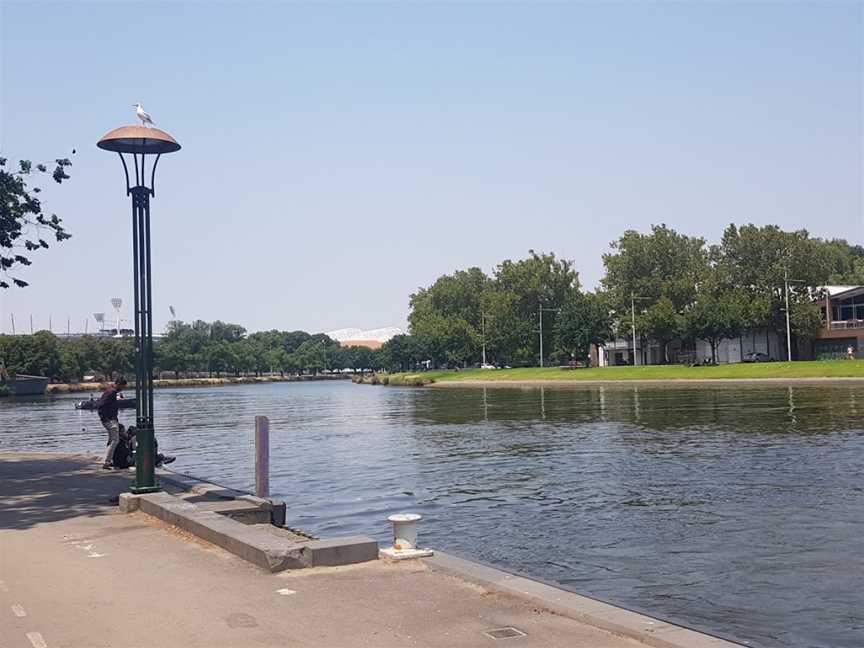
(143, 116)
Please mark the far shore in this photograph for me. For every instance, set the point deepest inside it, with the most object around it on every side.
(667, 381)
(70, 388)
(802, 372)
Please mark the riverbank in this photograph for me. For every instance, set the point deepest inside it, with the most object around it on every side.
(768, 372)
(61, 535)
(68, 388)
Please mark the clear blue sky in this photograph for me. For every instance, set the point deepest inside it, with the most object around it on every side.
(337, 156)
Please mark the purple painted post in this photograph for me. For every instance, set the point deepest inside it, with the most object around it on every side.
(262, 456)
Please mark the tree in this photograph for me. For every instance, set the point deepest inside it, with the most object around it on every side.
(376, 359)
(292, 362)
(539, 280)
(399, 353)
(508, 339)
(446, 317)
(805, 320)
(715, 318)
(36, 354)
(309, 356)
(291, 340)
(662, 323)
(221, 357)
(170, 355)
(445, 339)
(361, 358)
(450, 319)
(255, 351)
(661, 270)
(847, 263)
(335, 357)
(22, 221)
(182, 347)
(758, 260)
(584, 320)
(662, 263)
(249, 357)
(222, 331)
(73, 361)
(316, 356)
(277, 359)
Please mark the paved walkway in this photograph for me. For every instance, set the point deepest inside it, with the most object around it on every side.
(77, 573)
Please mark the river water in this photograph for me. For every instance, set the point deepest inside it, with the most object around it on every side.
(739, 510)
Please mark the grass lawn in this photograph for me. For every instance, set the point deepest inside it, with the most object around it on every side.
(745, 371)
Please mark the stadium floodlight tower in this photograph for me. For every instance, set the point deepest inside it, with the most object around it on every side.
(142, 142)
(117, 303)
(100, 320)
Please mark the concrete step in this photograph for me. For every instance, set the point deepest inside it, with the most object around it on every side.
(260, 544)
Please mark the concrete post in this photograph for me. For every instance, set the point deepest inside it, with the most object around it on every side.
(262, 456)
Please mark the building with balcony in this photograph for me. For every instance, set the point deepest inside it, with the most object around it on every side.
(842, 323)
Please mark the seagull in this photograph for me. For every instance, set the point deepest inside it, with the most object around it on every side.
(143, 116)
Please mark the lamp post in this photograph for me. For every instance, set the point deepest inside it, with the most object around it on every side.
(788, 326)
(633, 325)
(142, 142)
(786, 282)
(633, 299)
(540, 310)
(483, 338)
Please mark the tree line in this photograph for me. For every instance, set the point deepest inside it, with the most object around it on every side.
(210, 348)
(673, 287)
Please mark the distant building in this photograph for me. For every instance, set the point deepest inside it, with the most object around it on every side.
(620, 351)
(842, 324)
(842, 328)
(369, 344)
(370, 338)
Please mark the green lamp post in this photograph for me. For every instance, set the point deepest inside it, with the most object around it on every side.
(143, 144)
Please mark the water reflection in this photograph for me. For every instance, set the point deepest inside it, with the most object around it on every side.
(739, 509)
(813, 409)
(791, 395)
(543, 402)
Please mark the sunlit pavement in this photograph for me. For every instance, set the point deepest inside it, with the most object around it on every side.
(75, 572)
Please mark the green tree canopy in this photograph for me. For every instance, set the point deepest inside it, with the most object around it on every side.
(450, 319)
(584, 320)
(23, 223)
(714, 318)
(662, 263)
(661, 322)
(757, 261)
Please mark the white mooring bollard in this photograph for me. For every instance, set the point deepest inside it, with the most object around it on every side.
(405, 538)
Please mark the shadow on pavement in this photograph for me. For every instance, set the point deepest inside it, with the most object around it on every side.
(37, 489)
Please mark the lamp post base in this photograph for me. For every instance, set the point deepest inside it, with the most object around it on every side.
(143, 490)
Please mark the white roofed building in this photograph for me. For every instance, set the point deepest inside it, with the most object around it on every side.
(372, 338)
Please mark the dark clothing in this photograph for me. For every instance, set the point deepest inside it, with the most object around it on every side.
(107, 403)
(124, 454)
(123, 457)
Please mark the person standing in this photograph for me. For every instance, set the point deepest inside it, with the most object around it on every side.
(850, 353)
(107, 408)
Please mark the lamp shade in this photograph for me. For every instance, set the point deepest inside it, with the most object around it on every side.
(138, 139)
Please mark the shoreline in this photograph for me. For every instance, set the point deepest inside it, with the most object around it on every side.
(71, 388)
(641, 381)
(773, 373)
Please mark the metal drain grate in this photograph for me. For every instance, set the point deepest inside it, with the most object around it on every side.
(504, 633)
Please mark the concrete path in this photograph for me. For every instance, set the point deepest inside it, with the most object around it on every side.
(77, 573)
